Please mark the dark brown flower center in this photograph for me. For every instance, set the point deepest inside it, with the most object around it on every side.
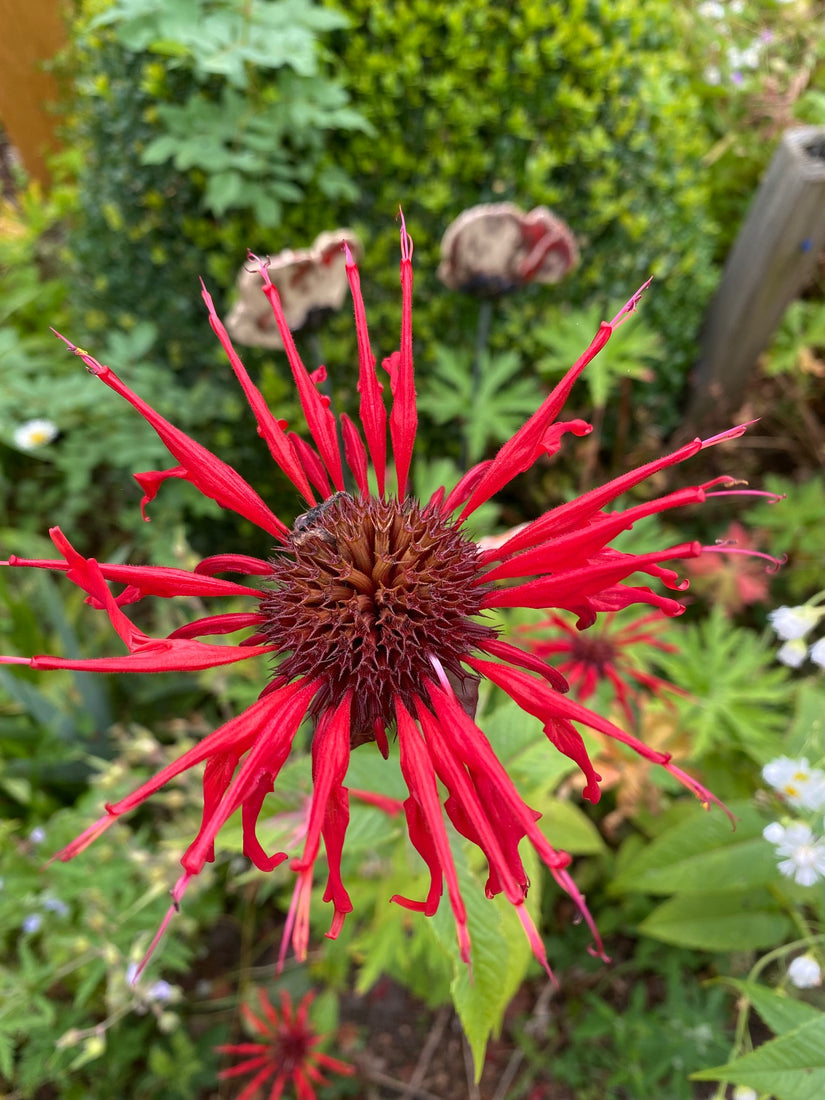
(365, 594)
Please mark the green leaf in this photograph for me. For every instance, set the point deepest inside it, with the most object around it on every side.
(490, 406)
(703, 853)
(629, 354)
(780, 1012)
(718, 921)
(738, 695)
(500, 952)
(568, 827)
(791, 1067)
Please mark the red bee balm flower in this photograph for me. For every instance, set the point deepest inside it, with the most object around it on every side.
(285, 1053)
(372, 608)
(607, 655)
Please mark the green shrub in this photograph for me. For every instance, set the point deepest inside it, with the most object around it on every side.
(586, 107)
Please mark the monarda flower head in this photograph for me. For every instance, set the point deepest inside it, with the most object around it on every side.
(370, 613)
(284, 1051)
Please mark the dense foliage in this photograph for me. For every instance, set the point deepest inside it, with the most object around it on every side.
(192, 135)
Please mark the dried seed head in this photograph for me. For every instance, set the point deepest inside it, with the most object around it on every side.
(364, 594)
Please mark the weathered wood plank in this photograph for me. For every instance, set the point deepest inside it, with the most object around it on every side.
(771, 263)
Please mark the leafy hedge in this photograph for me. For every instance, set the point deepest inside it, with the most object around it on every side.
(583, 105)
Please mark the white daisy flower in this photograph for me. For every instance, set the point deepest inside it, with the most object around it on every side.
(799, 784)
(34, 434)
(805, 854)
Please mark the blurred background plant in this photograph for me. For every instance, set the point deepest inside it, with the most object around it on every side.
(195, 129)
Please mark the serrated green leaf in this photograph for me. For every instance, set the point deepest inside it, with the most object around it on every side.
(701, 854)
(780, 1012)
(500, 952)
(718, 921)
(791, 1067)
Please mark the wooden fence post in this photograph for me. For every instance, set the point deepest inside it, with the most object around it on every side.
(31, 32)
(770, 264)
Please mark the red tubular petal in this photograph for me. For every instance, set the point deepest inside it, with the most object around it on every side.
(219, 624)
(571, 548)
(456, 780)
(330, 759)
(474, 748)
(515, 656)
(269, 427)
(235, 736)
(551, 440)
(558, 591)
(536, 698)
(250, 811)
(217, 775)
(204, 470)
(86, 574)
(372, 411)
(177, 892)
(312, 464)
(336, 820)
(150, 482)
(319, 419)
(623, 595)
(428, 832)
(164, 655)
(466, 485)
(404, 417)
(233, 563)
(266, 756)
(152, 580)
(87, 837)
(355, 454)
(575, 514)
(521, 450)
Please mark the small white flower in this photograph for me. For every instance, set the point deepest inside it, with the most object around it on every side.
(805, 972)
(34, 434)
(711, 9)
(747, 58)
(37, 835)
(817, 653)
(794, 622)
(774, 833)
(744, 1092)
(713, 75)
(801, 785)
(805, 862)
(792, 653)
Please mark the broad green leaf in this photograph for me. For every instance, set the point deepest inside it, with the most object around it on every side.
(568, 827)
(718, 921)
(779, 1011)
(791, 1067)
(701, 854)
(500, 952)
